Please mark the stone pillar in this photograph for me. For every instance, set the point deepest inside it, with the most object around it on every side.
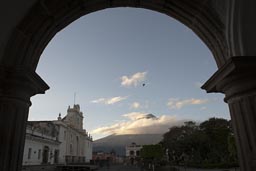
(17, 85)
(237, 80)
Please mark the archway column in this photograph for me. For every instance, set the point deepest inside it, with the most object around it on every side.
(17, 85)
(237, 80)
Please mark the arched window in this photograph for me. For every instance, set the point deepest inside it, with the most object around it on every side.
(131, 153)
(77, 146)
(71, 149)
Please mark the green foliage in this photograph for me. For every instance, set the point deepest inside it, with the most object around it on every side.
(209, 144)
(152, 151)
(232, 149)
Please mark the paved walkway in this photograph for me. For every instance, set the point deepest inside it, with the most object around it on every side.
(119, 168)
(135, 168)
(195, 169)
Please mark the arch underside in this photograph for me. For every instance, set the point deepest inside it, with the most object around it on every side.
(47, 17)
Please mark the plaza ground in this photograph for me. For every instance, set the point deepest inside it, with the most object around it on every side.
(167, 168)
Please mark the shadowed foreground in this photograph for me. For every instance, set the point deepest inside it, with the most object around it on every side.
(167, 168)
(120, 168)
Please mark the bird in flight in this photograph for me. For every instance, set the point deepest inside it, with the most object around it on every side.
(143, 84)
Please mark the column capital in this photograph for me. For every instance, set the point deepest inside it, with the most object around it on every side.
(20, 83)
(235, 79)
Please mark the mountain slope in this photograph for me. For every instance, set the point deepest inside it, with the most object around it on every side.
(118, 142)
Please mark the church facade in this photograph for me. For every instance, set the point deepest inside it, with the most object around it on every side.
(132, 152)
(61, 141)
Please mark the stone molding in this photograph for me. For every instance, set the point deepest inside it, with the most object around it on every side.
(235, 79)
(42, 139)
(20, 83)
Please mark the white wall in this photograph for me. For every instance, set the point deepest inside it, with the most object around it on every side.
(88, 150)
(132, 148)
(62, 146)
(35, 146)
(84, 148)
(38, 141)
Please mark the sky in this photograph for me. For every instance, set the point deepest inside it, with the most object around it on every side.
(123, 64)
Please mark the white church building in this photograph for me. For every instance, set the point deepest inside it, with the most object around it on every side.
(61, 141)
(132, 152)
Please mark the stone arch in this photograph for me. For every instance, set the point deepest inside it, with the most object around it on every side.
(47, 17)
(226, 27)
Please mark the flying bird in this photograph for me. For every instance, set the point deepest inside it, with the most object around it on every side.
(143, 84)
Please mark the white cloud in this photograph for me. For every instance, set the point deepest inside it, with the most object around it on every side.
(178, 104)
(138, 124)
(133, 80)
(135, 105)
(143, 105)
(100, 100)
(134, 115)
(109, 101)
(115, 100)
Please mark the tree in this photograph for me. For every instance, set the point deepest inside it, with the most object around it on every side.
(211, 142)
(232, 148)
(152, 151)
(217, 131)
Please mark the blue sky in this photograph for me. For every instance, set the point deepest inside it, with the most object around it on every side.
(106, 56)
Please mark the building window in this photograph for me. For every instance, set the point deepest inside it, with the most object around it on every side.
(29, 153)
(39, 154)
(77, 145)
(71, 149)
(131, 153)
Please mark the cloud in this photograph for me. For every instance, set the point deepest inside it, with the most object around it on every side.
(133, 80)
(137, 123)
(109, 101)
(135, 105)
(115, 100)
(178, 104)
(134, 115)
(100, 100)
